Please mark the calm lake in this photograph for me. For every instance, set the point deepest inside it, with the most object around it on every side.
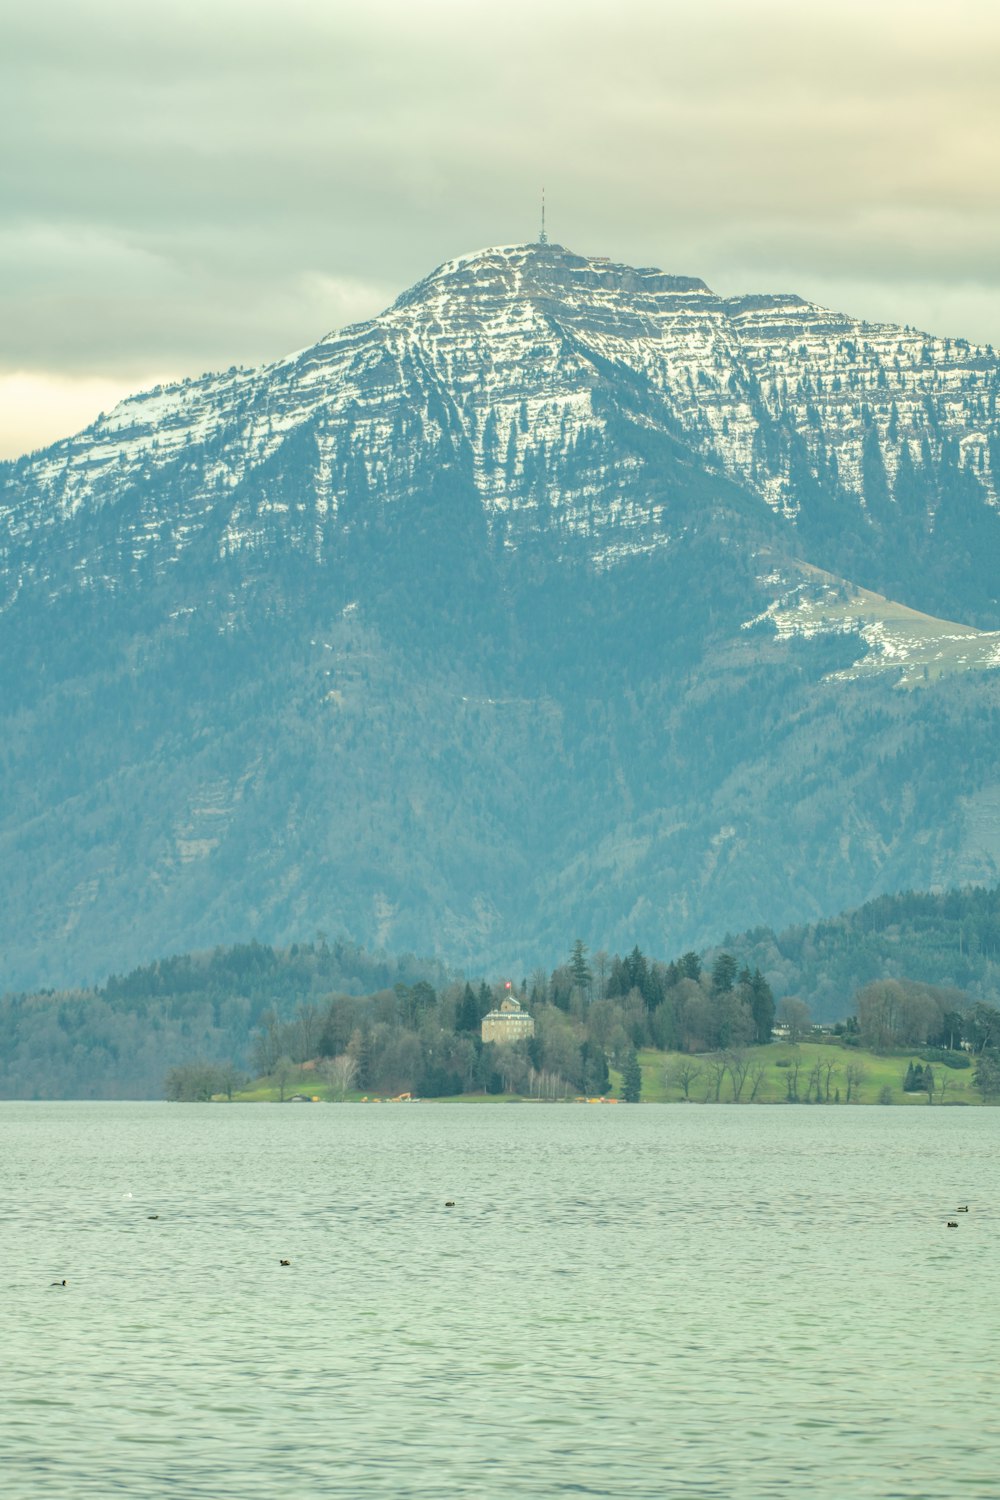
(658, 1301)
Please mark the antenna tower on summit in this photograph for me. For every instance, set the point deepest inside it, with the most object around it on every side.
(543, 238)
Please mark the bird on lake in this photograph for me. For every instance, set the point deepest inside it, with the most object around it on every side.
(450, 1203)
(57, 1283)
(152, 1216)
(284, 1262)
(963, 1210)
(952, 1223)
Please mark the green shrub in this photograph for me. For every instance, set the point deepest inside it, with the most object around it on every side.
(946, 1058)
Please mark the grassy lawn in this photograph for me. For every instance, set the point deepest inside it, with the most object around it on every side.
(780, 1060)
(879, 1073)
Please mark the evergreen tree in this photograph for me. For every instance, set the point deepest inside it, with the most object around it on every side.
(469, 1015)
(618, 980)
(914, 1080)
(723, 974)
(594, 1063)
(631, 1079)
(689, 966)
(579, 968)
(761, 1007)
(637, 970)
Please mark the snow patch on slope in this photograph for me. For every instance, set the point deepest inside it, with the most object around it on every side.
(914, 646)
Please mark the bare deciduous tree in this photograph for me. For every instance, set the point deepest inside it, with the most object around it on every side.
(815, 1081)
(266, 1048)
(308, 1024)
(855, 1076)
(283, 1072)
(795, 1015)
(601, 962)
(829, 1066)
(756, 1074)
(682, 1074)
(718, 1067)
(737, 1061)
(340, 1072)
(230, 1078)
(545, 1084)
(792, 1080)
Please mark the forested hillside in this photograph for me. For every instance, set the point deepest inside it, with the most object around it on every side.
(409, 1023)
(951, 938)
(116, 1040)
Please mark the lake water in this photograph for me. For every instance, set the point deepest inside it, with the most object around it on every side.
(662, 1301)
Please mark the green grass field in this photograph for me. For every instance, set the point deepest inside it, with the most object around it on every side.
(780, 1059)
(779, 1062)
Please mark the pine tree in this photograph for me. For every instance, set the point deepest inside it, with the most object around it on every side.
(638, 971)
(761, 1007)
(469, 1016)
(579, 968)
(631, 1079)
(723, 974)
(689, 966)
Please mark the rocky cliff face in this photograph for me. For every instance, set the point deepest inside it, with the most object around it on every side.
(562, 597)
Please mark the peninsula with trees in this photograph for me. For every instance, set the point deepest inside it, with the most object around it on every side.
(895, 1002)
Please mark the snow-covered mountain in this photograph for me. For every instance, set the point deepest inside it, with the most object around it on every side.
(515, 363)
(540, 521)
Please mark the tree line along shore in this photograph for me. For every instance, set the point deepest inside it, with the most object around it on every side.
(634, 1029)
(820, 1071)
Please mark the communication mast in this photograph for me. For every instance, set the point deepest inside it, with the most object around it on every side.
(543, 238)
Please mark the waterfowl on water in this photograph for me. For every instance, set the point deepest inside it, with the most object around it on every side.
(152, 1216)
(450, 1203)
(57, 1283)
(284, 1262)
(952, 1223)
(963, 1210)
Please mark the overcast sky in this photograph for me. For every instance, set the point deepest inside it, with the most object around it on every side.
(192, 185)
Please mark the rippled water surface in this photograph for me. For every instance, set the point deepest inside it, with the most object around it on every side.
(663, 1301)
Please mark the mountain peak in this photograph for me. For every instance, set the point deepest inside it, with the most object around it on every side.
(548, 268)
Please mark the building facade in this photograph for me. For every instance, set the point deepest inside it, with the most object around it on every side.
(509, 1023)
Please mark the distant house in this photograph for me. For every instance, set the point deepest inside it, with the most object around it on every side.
(509, 1023)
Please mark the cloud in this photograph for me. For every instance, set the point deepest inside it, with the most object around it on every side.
(205, 183)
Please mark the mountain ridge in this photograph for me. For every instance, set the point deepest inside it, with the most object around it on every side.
(719, 375)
